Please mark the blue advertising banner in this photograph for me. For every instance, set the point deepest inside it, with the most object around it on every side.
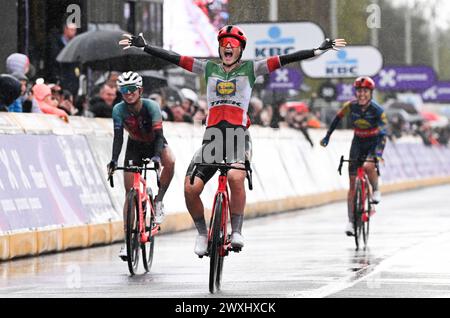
(284, 79)
(50, 180)
(404, 78)
(438, 93)
(345, 92)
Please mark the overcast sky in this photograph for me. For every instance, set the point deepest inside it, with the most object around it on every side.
(442, 9)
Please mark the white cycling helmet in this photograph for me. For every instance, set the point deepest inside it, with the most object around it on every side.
(129, 78)
(189, 94)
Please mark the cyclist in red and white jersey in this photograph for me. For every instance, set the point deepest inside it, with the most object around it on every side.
(229, 87)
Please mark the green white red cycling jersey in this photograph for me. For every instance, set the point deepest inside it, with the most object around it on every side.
(228, 93)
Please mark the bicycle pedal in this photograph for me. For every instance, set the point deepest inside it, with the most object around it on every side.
(236, 249)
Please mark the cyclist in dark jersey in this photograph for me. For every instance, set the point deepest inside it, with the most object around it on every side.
(229, 88)
(142, 119)
(369, 123)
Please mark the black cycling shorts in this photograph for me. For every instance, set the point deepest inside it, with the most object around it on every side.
(138, 150)
(238, 151)
(361, 149)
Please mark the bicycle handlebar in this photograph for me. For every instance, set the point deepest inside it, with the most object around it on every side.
(225, 167)
(137, 169)
(375, 161)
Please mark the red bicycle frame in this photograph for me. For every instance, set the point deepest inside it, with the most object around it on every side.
(222, 189)
(140, 186)
(361, 176)
(139, 183)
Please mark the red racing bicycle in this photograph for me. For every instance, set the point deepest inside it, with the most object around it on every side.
(219, 243)
(140, 223)
(362, 206)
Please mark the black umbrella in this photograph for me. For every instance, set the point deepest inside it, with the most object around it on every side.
(100, 50)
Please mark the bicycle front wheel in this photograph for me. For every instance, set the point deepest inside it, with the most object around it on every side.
(148, 248)
(366, 218)
(132, 235)
(357, 212)
(216, 261)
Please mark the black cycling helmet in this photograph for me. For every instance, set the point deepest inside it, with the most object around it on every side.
(9, 89)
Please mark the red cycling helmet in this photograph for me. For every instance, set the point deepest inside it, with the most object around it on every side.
(364, 82)
(233, 32)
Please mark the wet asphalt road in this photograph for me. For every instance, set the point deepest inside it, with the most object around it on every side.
(297, 254)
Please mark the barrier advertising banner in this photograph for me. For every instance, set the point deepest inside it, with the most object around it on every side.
(49, 180)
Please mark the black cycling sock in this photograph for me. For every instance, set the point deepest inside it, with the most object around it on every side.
(236, 222)
(200, 224)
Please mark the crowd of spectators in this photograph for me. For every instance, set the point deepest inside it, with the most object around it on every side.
(431, 134)
(60, 96)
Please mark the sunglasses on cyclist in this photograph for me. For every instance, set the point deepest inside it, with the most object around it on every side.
(128, 89)
(223, 42)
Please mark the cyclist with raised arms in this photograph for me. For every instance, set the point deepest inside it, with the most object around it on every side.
(229, 87)
(143, 121)
(369, 123)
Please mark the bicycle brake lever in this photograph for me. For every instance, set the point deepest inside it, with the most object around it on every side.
(111, 180)
(158, 182)
(250, 182)
(340, 165)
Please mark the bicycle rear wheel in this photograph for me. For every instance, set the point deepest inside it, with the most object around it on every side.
(147, 248)
(132, 235)
(357, 211)
(366, 218)
(216, 261)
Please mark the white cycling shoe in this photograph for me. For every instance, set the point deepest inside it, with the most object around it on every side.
(201, 245)
(376, 197)
(123, 253)
(349, 229)
(159, 212)
(237, 240)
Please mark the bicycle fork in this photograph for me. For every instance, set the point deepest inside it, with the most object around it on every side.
(368, 210)
(142, 200)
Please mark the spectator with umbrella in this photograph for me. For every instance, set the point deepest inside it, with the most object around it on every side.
(65, 74)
